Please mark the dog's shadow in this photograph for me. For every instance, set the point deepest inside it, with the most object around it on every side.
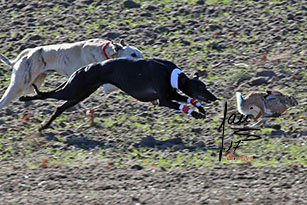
(281, 133)
(69, 138)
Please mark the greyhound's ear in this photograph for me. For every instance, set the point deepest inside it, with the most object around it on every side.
(122, 42)
(196, 76)
(117, 47)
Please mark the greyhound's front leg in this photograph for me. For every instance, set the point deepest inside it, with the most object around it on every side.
(183, 108)
(196, 104)
(178, 97)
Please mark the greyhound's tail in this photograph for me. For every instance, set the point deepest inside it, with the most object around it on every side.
(12, 62)
(239, 102)
(5, 60)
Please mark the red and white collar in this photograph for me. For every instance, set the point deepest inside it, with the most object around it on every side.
(174, 78)
(104, 49)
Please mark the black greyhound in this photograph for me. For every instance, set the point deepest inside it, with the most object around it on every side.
(145, 79)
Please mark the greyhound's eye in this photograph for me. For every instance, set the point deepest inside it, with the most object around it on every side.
(251, 108)
(134, 55)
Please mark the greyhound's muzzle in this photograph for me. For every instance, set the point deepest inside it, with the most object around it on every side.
(208, 98)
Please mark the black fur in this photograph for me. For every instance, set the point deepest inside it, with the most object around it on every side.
(145, 79)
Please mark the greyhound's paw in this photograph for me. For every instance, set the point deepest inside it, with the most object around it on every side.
(198, 115)
(23, 98)
(276, 114)
(202, 110)
(42, 127)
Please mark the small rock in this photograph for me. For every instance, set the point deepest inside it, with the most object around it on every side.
(200, 2)
(151, 8)
(29, 103)
(213, 27)
(9, 111)
(213, 154)
(266, 73)
(161, 29)
(62, 124)
(290, 17)
(88, 2)
(185, 42)
(243, 78)
(146, 14)
(197, 130)
(259, 81)
(219, 46)
(112, 35)
(131, 4)
(137, 167)
(211, 10)
(277, 38)
(28, 8)
(200, 144)
(33, 38)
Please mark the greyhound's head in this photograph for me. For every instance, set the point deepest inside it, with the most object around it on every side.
(195, 88)
(123, 50)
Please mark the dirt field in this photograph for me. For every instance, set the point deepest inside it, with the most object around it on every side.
(140, 154)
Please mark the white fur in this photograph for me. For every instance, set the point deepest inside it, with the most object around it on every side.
(31, 65)
(239, 103)
(174, 77)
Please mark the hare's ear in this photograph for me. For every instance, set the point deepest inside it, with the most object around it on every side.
(276, 93)
(196, 76)
(240, 100)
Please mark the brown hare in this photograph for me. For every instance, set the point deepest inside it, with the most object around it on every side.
(264, 105)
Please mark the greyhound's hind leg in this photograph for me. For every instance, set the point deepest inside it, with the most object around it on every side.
(38, 82)
(56, 94)
(39, 95)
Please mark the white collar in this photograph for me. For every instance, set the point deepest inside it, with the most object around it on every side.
(174, 77)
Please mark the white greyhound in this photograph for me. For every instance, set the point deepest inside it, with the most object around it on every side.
(32, 65)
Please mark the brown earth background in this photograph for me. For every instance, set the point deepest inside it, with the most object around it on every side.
(140, 154)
